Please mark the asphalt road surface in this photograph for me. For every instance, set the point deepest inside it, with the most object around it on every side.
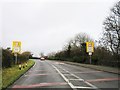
(58, 75)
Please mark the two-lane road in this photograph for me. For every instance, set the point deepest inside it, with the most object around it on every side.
(53, 74)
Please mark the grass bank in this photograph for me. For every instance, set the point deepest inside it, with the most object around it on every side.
(9, 75)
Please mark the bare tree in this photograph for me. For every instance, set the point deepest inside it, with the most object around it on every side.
(78, 40)
(111, 34)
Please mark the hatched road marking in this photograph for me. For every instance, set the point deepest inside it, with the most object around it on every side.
(78, 79)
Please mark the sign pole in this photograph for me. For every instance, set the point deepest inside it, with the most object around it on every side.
(90, 59)
(15, 58)
(90, 54)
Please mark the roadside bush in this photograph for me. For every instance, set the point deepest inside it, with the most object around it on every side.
(7, 58)
(79, 59)
(95, 60)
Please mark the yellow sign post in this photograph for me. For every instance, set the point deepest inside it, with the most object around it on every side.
(16, 48)
(90, 48)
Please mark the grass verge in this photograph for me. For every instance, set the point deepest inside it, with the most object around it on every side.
(10, 75)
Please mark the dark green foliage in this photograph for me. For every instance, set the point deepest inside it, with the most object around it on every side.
(100, 56)
(78, 59)
(69, 51)
(8, 58)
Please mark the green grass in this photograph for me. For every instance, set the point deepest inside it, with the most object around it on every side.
(9, 75)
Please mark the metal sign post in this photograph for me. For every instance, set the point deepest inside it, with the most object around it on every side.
(90, 54)
(15, 58)
(90, 59)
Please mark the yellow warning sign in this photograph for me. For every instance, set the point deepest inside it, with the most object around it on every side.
(89, 46)
(16, 46)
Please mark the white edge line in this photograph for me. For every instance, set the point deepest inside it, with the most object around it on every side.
(29, 70)
(34, 65)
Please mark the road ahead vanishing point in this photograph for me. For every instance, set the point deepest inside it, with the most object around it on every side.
(53, 74)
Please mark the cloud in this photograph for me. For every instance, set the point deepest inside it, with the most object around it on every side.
(47, 25)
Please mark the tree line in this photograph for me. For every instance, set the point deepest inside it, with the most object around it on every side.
(8, 58)
(106, 50)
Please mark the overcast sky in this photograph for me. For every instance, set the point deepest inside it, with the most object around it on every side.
(46, 25)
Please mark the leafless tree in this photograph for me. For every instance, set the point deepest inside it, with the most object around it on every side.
(78, 40)
(111, 33)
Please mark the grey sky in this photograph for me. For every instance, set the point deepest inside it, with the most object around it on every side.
(45, 25)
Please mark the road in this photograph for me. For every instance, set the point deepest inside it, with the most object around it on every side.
(54, 74)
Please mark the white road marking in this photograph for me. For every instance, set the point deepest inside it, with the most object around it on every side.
(78, 78)
(94, 87)
(59, 63)
(68, 74)
(83, 87)
(91, 85)
(63, 69)
(70, 84)
(67, 71)
(87, 72)
(30, 69)
(34, 65)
